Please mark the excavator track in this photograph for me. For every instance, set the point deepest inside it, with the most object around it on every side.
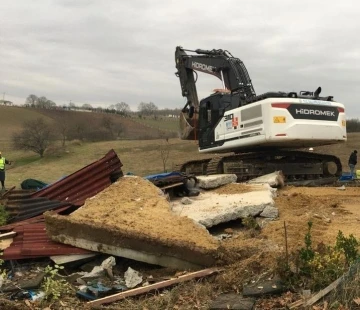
(295, 165)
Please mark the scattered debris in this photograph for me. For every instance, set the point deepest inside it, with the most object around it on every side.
(341, 188)
(186, 201)
(268, 287)
(232, 301)
(210, 209)
(99, 271)
(132, 278)
(275, 179)
(215, 180)
(109, 223)
(156, 286)
(64, 259)
(270, 212)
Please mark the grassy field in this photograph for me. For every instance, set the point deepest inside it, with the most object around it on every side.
(141, 157)
(168, 124)
(13, 118)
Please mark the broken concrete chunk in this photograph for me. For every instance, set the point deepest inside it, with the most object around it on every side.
(264, 288)
(32, 283)
(211, 209)
(186, 201)
(117, 223)
(232, 301)
(99, 271)
(215, 180)
(275, 179)
(132, 278)
(270, 212)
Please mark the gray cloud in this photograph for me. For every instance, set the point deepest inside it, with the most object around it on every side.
(103, 52)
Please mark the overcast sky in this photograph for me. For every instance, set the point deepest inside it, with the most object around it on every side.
(103, 52)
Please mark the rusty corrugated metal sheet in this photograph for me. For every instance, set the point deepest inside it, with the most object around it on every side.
(84, 183)
(33, 220)
(32, 241)
(20, 205)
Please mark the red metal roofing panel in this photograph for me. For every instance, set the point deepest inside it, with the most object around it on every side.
(33, 220)
(84, 183)
(32, 241)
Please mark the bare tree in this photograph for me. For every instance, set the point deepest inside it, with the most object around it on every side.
(119, 129)
(165, 152)
(147, 108)
(31, 100)
(108, 123)
(87, 106)
(36, 136)
(122, 108)
(62, 127)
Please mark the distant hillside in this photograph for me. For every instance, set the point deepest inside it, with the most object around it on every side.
(12, 118)
(87, 124)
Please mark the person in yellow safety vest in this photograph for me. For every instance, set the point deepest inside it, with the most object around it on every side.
(3, 162)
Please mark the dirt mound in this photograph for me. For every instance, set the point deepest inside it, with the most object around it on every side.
(235, 188)
(133, 213)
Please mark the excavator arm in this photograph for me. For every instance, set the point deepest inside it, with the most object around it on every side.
(219, 63)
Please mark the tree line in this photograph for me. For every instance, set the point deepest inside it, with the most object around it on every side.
(122, 108)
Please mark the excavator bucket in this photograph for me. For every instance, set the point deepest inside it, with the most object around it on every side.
(188, 127)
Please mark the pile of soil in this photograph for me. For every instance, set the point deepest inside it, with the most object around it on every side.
(236, 188)
(134, 213)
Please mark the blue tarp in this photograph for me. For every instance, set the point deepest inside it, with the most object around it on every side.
(162, 175)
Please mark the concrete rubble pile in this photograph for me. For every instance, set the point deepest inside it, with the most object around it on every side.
(132, 218)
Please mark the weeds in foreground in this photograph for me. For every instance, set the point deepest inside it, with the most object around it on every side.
(315, 268)
(53, 286)
(4, 215)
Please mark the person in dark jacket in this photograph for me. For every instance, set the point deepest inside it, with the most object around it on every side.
(352, 162)
(3, 162)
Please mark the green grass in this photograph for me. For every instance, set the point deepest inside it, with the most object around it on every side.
(167, 124)
(141, 157)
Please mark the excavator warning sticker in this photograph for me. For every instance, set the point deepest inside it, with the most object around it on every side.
(279, 119)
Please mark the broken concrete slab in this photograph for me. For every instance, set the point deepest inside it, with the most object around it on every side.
(64, 259)
(210, 209)
(270, 212)
(267, 287)
(275, 179)
(132, 219)
(25, 284)
(232, 301)
(215, 180)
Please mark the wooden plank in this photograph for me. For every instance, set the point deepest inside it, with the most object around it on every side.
(156, 286)
(324, 292)
(295, 304)
(7, 235)
(172, 185)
